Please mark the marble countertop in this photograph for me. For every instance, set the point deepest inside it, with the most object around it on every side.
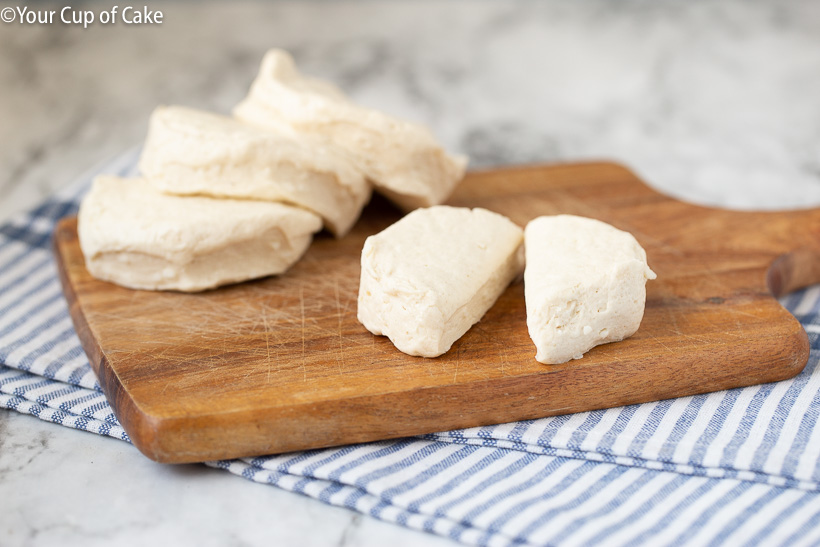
(715, 103)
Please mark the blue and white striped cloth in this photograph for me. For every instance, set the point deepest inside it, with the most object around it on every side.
(740, 467)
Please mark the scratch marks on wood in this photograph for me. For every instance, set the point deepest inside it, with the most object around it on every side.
(673, 327)
(340, 355)
(302, 312)
(267, 343)
(658, 340)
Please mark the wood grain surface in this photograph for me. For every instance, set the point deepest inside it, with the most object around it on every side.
(282, 364)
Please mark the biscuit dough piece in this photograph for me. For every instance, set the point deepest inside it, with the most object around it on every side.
(135, 236)
(584, 284)
(190, 152)
(432, 275)
(402, 159)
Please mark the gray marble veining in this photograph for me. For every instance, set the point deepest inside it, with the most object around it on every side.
(713, 102)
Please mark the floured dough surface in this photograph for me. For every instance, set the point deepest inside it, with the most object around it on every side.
(402, 159)
(137, 237)
(585, 285)
(190, 152)
(433, 274)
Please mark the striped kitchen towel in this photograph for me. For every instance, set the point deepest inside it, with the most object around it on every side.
(736, 467)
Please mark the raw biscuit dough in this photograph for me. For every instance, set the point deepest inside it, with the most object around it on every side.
(433, 274)
(584, 284)
(137, 237)
(190, 152)
(402, 159)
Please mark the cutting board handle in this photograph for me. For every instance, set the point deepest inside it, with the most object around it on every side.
(787, 241)
(795, 270)
(796, 234)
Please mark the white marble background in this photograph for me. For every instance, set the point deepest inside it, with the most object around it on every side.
(714, 102)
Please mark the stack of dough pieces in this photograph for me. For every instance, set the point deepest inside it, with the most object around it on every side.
(223, 200)
(189, 152)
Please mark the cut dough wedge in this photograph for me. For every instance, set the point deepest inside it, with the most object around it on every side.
(585, 285)
(135, 236)
(189, 152)
(402, 159)
(432, 275)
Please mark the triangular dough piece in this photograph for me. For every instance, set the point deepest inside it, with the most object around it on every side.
(433, 274)
(402, 159)
(585, 285)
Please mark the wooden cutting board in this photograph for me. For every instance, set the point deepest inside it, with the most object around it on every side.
(282, 364)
